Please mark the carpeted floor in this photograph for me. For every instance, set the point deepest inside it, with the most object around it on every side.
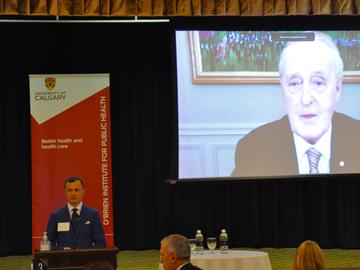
(281, 259)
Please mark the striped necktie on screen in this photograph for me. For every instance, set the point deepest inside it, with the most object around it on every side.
(314, 157)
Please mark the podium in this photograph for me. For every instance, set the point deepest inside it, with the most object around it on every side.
(74, 259)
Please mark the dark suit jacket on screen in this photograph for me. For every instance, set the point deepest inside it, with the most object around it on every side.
(270, 149)
(89, 232)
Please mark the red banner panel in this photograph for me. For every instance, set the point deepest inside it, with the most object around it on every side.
(71, 136)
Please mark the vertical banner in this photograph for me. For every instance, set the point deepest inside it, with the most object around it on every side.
(70, 136)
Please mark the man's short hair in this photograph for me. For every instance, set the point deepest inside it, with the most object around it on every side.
(73, 179)
(321, 38)
(179, 244)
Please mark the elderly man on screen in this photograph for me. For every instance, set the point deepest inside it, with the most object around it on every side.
(312, 138)
(175, 253)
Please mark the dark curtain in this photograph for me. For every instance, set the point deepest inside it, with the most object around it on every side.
(140, 59)
(273, 213)
(143, 117)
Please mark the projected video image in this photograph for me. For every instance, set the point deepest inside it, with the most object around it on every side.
(257, 104)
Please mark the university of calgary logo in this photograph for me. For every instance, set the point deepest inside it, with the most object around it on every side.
(50, 83)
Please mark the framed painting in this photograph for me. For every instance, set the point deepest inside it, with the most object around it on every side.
(252, 56)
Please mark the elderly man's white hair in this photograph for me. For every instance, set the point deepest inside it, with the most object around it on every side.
(323, 39)
(179, 244)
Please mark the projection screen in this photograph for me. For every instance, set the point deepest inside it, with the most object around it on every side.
(237, 118)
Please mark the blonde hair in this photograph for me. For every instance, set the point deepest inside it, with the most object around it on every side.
(308, 256)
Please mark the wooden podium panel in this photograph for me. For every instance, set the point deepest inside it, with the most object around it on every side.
(74, 259)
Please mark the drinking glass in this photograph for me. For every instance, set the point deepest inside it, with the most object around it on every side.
(192, 244)
(211, 243)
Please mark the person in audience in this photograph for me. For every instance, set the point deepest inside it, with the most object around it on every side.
(312, 138)
(99, 265)
(76, 225)
(308, 256)
(175, 253)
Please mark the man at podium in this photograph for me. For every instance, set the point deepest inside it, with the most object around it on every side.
(76, 225)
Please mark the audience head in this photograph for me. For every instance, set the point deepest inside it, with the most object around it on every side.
(308, 256)
(311, 75)
(99, 265)
(174, 251)
(74, 190)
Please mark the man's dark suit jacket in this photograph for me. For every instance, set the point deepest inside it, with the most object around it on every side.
(189, 266)
(89, 231)
(270, 149)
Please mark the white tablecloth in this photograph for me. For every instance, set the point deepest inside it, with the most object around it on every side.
(234, 259)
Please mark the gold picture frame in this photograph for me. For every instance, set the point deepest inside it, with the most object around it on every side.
(201, 75)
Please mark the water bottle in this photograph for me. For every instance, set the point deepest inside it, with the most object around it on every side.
(199, 238)
(44, 243)
(223, 242)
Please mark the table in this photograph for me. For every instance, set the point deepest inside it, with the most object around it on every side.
(234, 259)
